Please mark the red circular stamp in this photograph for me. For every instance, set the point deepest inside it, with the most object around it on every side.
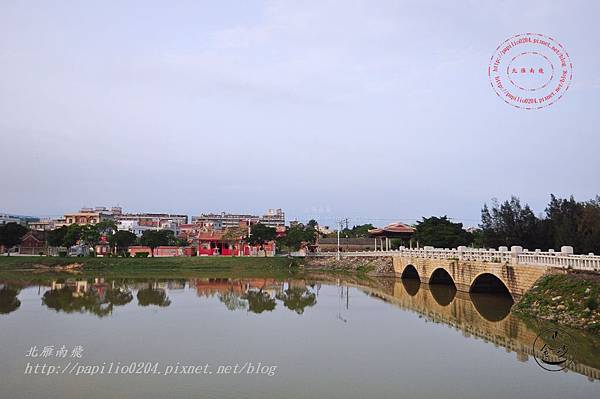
(530, 71)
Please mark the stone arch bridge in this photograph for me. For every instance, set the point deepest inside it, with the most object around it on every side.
(478, 270)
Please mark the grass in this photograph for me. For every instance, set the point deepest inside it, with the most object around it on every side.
(158, 267)
(569, 299)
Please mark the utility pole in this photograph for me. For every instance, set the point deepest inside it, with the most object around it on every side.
(338, 241)
(341, 225)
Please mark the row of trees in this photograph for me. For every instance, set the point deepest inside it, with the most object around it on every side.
(11, 234)
(564, 222)
(90, 235)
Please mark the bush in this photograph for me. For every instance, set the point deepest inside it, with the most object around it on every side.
(592, 303)
(142, 254)
(62, 254)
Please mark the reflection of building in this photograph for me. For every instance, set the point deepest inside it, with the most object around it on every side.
(79, 287)
(208, 287)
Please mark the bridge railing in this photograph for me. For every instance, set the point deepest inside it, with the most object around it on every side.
(516, 255)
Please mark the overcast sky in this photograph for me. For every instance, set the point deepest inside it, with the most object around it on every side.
(373, 110)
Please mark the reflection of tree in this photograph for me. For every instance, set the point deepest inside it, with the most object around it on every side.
(65, 300)
(233, 301)
(8, 300)
(259, 301)
(297, 299)
(150, 296)
(119, 297)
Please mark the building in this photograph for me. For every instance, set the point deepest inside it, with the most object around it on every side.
(162, 251)
(7, 218)
(347, 244)
(156, 220)
(87, 216)
(272, 218)
(325, 230)
(224, 220)
(42, 225)
(382, 236)
(33, 243)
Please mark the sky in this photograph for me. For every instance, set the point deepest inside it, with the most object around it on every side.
(372, 110)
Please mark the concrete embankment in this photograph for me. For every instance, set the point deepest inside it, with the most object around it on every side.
(372, 266)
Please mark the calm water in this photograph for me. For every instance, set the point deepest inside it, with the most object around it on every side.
(321, 338)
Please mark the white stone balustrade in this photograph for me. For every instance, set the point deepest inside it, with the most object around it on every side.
(516, 255)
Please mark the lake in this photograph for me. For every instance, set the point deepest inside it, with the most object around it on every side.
(317, 336)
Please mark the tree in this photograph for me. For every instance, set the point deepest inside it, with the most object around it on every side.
(157, 238)
(440, 232)
(106, 227)
(56, 237)
(11, 234)
(358, 231)
(122, 239)
(72, 235)
(261, 234)
(509, 224)
(89, 235)
(297, 235)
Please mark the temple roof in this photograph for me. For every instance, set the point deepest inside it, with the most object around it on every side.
(393, 229)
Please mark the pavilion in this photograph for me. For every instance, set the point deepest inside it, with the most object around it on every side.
(393, 230)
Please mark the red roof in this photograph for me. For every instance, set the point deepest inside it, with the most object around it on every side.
(393, 228)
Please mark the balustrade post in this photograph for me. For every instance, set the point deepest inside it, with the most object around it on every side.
(460, 251)
(515, 250)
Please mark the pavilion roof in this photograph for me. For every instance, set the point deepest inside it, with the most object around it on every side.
(392, 229)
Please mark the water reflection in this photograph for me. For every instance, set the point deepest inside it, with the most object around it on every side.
(8, 299)
(492, 307)
(482, 316)
(411, 285)
(443, 294)
(81, 296)
(297, 298)
(153, 295)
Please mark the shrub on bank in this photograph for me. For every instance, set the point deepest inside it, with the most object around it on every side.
(570, 299)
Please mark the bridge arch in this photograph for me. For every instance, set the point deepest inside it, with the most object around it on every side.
(410, 272)
(443, 294)
(441, 276)
(411, 285)
(489, 283)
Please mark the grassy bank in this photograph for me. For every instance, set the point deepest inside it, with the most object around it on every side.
(159, 266)
(569, 299)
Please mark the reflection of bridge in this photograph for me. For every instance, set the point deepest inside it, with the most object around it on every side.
(472, 315)
(477, 269)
